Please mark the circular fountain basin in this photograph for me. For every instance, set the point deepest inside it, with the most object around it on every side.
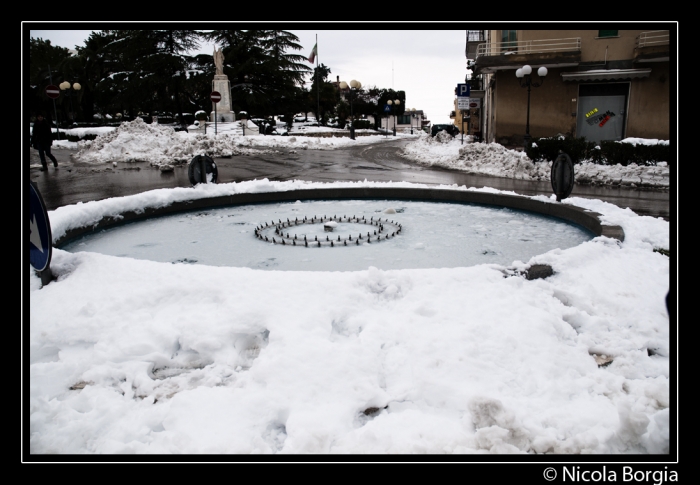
(338, 235)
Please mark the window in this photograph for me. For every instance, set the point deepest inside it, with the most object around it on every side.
(403, 120)
(607, 33)
(509, 40)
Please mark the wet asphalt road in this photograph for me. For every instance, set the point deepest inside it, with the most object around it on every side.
(80, 182)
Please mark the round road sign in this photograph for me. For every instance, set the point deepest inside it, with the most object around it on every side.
(562, 176)
(202, 170)
(52, 91)
(215, 96)
(39, 231)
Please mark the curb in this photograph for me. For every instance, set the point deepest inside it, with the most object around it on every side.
(587, 219)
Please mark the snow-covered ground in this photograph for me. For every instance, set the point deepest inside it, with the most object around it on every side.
(161, 145)
(140, 357)
(494, 159)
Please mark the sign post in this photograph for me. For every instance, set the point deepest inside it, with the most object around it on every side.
(53, 92)
(215, 97)
(39, 235)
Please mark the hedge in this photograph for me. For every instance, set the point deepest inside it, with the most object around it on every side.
(362, 124)
(603, 153)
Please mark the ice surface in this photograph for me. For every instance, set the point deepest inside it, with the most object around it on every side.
(434, 235)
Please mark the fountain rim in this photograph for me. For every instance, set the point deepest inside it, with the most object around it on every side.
(588, 219)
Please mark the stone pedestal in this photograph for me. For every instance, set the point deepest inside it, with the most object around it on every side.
(223, 107)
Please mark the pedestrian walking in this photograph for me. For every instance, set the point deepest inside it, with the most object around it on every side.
(42, 139)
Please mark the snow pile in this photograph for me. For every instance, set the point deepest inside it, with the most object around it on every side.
(160, 145)
(478, 158)
(496, 160)
(130, 356)
(137, 141)
(632, 175)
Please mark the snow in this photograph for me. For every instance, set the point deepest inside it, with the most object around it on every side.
(129, 356)
(161, 145)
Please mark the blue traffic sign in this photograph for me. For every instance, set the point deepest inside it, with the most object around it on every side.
(387, 108)
(463, 90)
(39, 231)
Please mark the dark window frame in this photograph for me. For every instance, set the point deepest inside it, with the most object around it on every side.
(509, 40)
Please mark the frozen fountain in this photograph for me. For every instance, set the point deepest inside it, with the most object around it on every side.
(345, 229)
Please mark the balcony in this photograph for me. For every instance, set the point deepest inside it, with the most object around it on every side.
(494, 56)
(652, 46)
(474, 38)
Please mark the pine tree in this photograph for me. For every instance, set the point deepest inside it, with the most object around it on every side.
(159, 62)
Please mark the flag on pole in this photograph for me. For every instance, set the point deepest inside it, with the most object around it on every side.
(314, 53)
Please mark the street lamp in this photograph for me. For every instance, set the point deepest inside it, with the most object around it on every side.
(66, 87)
(413, 115)
(354, 88)
(391, 103)
(524, 78)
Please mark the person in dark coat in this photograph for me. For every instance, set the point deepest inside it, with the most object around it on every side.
(42, 139)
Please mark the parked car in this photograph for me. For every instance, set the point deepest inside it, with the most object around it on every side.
(451, 129)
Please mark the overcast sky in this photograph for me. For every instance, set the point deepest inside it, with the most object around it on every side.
(426, 64)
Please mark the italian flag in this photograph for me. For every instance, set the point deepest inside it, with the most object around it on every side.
(314, 53)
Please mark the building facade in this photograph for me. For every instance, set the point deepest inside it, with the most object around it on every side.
(599, 84)
(411, 120)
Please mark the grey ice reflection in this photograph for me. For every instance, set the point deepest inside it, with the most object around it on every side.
(434, 235)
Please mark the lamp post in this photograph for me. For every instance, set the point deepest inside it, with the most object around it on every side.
(354, 88)
(524, 78)
(66, 87)
(391, 103)
(413, 115)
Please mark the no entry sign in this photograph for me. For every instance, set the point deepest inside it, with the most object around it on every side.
(52, 91)
(39, 231)
(215, 96)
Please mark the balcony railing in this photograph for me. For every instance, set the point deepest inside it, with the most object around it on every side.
(654, 37)
(475, 36)
(543, 46)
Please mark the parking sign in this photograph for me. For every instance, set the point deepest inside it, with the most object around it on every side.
(463, 90)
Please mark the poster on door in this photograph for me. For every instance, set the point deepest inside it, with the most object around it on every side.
(601, 117)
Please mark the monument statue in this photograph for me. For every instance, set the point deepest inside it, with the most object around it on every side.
(221, 111)
(219, 61)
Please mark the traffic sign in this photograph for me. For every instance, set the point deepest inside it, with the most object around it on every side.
(387, 108)
(562, 176)
(463, 90)
(202, 170)
(39, 231)
(215, 96)
(463, 103)
(52, 91)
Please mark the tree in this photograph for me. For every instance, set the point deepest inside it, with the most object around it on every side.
(99, 67)
(384, 95)
(323, 95)
(265, 76)
(158, 65)
(43, 55)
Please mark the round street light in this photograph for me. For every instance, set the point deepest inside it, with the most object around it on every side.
(391, 103)
(354, 88)
(66, 86)
(524, 78)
